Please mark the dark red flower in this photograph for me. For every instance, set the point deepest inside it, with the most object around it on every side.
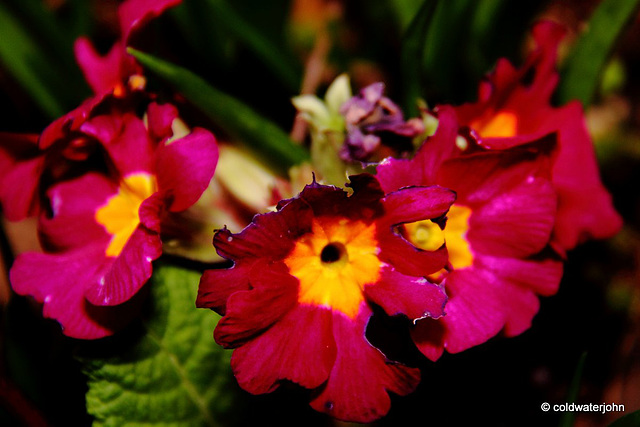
(298, 298)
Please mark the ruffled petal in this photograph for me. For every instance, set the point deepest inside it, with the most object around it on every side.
(270, 235)
(394, 174)
(245, 314)
(299, 348)
(414, 297)
(357, 389)
(408, 259)
(412, 204)
(216, 286)
(474, 313)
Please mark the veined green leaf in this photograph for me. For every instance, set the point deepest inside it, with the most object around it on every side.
(173, 374)
(233, 116)
(21, 56)
(413, 46)
(582, 70)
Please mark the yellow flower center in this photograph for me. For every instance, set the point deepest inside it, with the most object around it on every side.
(428, 236)
(501, 125)
(119, 216)
(334, 263)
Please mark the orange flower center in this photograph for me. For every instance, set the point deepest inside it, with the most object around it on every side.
(334, 263)
(119, 216)
(503, 124)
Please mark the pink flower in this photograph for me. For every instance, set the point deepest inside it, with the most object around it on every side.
(496, 233)
(510, 112)
(117, 72)
(67, 141)
(104, 227)
(298, 298)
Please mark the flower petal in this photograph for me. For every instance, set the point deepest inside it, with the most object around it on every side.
(412, 204)
(63, 292)
(300, 348)
(103, 73)
(245, 314)
(474, 312)
(21, 165)
(130, 270)
(74, 204)
(185, 168)
(415, 297)
(517, 223)
(361, 378)
(408, 259)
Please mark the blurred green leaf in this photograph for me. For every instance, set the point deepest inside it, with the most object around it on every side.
(629, 420)
(568, 417)
(405, 11)
(582, 70)
(413, 45)
(27, 64)
(233, 116)
(444, 47)
(282, 65)
(174, 374)
(215, 30)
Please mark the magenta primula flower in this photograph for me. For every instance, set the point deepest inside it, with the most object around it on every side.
(66, 140)
(496, 232)
(298, 298)
(104, 230)
(510, 112)
(117, 72)
(115, 76)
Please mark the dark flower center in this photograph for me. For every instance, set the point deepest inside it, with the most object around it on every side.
(333, 252)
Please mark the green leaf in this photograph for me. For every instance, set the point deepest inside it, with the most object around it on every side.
(233, 116)
(413, 46)
(172, 374)
(27, 64)
(274, 59)
(405, 11)
(568, 417)
(444, 54)
(582, 70)
(629, 420)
